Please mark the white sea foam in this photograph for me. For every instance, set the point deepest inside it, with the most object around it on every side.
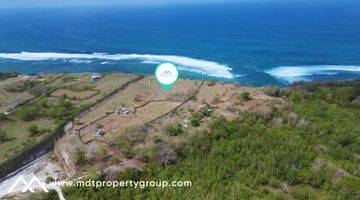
(185, 63)
(296, 73)
(79, 61)
(149, 62)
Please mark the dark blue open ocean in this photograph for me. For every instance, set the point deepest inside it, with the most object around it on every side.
(250, 43)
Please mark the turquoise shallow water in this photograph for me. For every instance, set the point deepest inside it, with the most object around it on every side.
(250, 43)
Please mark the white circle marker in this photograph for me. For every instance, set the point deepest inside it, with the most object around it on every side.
(166, 74)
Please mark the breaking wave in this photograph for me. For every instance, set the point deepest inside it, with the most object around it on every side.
(297, 73)
(185, 63)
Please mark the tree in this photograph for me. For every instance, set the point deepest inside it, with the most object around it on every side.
(29, 113)
(245, 96)
(129, 174)
(43, 102)
(6, 75)
(207, 111)
(173, 129)
(195, 122)
(61, 110)
(3, 136)
(33, 129)
(3, 117)
(80, 158)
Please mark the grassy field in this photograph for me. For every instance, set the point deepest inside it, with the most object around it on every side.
(9, 101)
(82, 90)
(73, 94)
(20, 136)
(108, 84)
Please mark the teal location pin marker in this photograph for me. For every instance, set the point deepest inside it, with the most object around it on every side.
(166, 74)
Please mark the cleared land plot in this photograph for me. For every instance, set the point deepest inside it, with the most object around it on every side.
(83, 90)
(74, 95)
(210, 93)
(17, 131)
(138, 94)
(115, 124)
(149, 99)
(75, 86)
(112, 81)
(9, 100)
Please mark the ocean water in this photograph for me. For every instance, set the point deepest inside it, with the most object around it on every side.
(250, 43)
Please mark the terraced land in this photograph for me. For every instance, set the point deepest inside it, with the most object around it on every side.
(33, 106)
(145, 101)
(16, 91)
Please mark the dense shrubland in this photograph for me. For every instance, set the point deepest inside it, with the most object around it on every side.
(21, 86)
(7, 75)
(308, 150)
(3, 136)
(45, 108)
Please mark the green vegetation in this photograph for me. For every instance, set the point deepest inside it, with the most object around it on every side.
(67, 79)
(312, 154)
(3, 117)
(42, 108)
(33, 129)
(112, 160)
(29, 113)
(79, 87)
(245, 96)
(132, 137)
(21, 86)
(195, 121)
(303, 193)
(207, 111)
(157, 138)
(174, 129)
(32, 102)
(7, 75)
(80, 158)
(204, 112)
(32, 122)
(49, 179)
(19, 136)
(3, 136)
